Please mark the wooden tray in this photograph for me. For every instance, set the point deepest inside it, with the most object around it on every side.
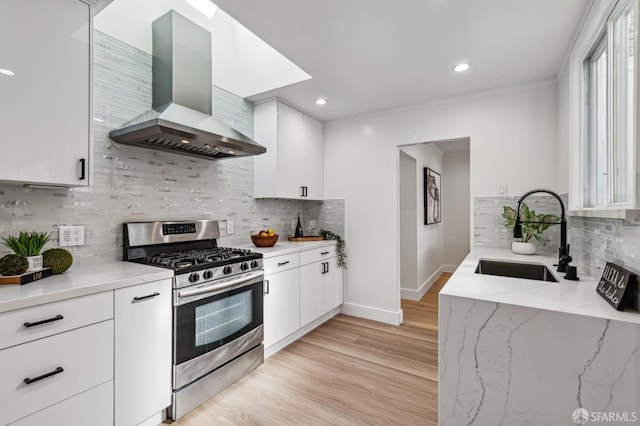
(302, 239)
(25, 278)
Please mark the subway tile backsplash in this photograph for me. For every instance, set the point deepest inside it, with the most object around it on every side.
(135, 184)
(594, 241)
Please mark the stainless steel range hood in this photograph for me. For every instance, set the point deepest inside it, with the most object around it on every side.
(181, 118)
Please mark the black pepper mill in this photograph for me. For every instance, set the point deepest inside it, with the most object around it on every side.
(298, 229)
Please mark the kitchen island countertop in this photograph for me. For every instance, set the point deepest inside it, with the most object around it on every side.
(572, 297)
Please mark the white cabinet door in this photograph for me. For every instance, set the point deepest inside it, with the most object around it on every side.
(45, 107)
(294, 158)
(311, 292)
(333, 285)
(281, 305)
(142, 351)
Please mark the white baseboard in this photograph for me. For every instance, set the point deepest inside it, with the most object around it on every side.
(299, 333)
(367, 312)
(409, 294)
(154, 420)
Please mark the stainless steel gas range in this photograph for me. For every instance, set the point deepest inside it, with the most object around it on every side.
(217, 305)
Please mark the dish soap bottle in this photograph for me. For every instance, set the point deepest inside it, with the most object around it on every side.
(298, 233)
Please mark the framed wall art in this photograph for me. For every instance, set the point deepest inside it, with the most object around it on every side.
(432, 197)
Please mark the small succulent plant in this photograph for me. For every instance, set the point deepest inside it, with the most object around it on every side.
(27, 243)
(13, 264)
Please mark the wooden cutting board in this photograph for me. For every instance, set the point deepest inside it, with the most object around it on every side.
(303, 239)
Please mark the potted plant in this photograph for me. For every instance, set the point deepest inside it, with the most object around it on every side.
(29, 245)
(533, 225)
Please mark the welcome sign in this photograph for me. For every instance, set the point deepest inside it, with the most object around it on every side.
(616, 285)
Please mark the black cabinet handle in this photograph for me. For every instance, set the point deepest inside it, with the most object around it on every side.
(283, 263)
(327, 267)
(266, 286)
(148, 296)
(82, 168)
(304, 191)
(44, 376)
(33, 324)
(325, 252)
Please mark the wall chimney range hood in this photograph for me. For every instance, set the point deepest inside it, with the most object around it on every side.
(181, 118)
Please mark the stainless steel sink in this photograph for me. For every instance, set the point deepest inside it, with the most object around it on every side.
(527, 271)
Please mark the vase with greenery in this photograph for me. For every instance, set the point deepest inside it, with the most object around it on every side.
(340, 246)
(533, 226)
(29, 245)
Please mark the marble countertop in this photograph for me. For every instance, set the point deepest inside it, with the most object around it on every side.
(572, 297)
(288, 247)
(80, 280)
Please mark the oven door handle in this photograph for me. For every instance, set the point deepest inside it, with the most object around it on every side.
(214, 288)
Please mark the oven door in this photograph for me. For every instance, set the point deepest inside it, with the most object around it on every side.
(211, 315)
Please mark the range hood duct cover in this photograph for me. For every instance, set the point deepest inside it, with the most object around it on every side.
(181, 118)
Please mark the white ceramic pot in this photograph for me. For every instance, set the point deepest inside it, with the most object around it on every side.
(523, 248)
(35, 263)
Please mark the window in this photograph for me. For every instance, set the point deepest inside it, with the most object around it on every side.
(608, 87)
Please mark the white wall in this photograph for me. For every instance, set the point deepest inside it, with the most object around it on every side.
(513, 134)
(564, 164)
(429, 237)
(456, 211)
(408, 220)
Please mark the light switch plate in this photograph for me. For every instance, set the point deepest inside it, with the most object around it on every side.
(502, 189)
(229, 227)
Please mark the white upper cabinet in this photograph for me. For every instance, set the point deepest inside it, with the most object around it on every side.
(292, 167)
(45, 107)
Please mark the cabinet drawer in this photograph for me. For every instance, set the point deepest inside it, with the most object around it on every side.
(83, 357)
(28, 324)
(281, 263)
(317, 255)
(93, 407)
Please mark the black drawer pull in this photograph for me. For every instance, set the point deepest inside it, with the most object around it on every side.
(44, 376)
(325, 252)
(148, 296)
(33, 324)
(283, 263)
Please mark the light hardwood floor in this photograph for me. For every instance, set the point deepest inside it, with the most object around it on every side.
(349, 371)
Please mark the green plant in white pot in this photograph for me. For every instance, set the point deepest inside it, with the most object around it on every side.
(533, 225)
(29, 245)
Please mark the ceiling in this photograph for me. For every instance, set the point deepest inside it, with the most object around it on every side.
(371, 55)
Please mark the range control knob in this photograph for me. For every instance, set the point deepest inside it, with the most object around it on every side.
(227, 270)
(244, 266)
(254, 264)
(194, 277)
(207, 275)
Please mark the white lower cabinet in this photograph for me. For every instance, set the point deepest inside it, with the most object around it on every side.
(281, 305)
(311, 292)
(93, 407)
(38, 374)
(142, 351)
(321, 284)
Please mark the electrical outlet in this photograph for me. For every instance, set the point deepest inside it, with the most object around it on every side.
(502, 189)
(71, 236)
(229, 227)
(293, 225)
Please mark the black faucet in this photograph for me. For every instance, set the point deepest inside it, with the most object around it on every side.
(563, 251)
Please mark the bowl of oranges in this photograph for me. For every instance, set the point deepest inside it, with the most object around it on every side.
(266, 238)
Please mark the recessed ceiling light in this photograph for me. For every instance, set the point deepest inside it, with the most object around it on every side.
(6, 72)
(184, 141)
(204, 6)
(321, 101)
(462, 67)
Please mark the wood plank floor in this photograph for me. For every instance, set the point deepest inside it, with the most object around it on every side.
(349, 371)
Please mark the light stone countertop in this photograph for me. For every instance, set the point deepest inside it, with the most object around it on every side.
(78, 281)
(288, 247)
(572, 297)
